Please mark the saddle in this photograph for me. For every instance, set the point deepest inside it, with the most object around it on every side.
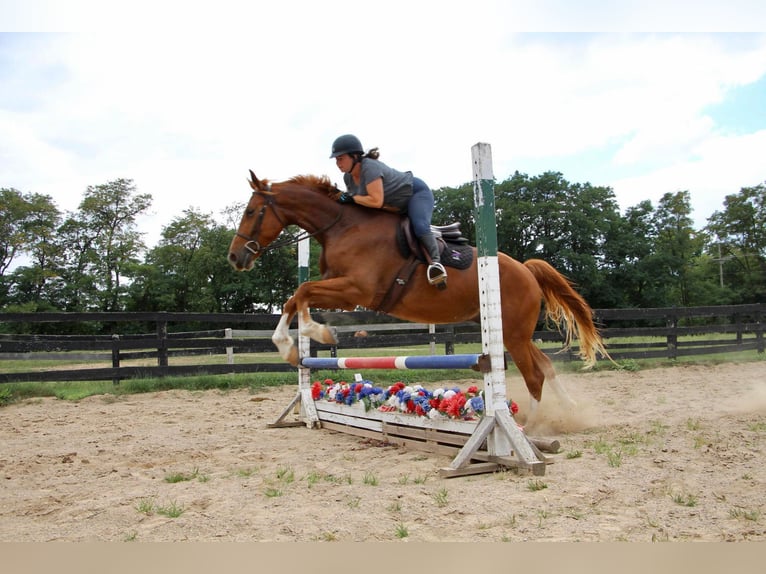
(454, 249)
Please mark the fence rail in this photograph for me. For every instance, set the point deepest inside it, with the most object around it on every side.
(668, 332)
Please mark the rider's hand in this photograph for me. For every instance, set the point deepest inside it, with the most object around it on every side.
(345, 197)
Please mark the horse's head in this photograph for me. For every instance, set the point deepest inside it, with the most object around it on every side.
(260, 225)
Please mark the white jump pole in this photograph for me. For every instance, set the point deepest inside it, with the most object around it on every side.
(303, 399)
(497, 426)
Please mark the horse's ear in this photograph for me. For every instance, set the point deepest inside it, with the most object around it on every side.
(254, 183)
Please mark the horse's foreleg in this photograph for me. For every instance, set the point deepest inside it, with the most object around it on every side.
(281, 337)
(336, 293)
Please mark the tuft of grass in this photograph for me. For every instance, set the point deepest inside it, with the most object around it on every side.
(601, 446)
(182, 477)
(693, 424)
(684, 500)
(370, 479)
(6, 396)
(285, 474)
(145, 506)
(574, 454)
(246, 472)
(313, 478)
(535, 485)
(440, 496)
(329, 537)
(354, 502)
(760, 426)
(401, 531)
(628, 365)
(272, 492)
(614, 458)
(172, 510)
(700, 441)
(395, 506)
(738, 513)
(658, 428)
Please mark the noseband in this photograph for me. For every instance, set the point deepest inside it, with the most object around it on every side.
(253, 245)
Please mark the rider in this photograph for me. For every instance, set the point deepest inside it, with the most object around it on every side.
(371, 183)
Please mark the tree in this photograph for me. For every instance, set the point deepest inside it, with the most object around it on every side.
(629, 242)
(27, 227)
(739, 243)
(107, 242)
(677, 246)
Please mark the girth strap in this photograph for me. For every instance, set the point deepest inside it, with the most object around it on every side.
(385, 299)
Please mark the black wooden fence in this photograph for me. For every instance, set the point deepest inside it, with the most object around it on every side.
(665, 333)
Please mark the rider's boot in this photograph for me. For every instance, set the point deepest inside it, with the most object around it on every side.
(436, 273)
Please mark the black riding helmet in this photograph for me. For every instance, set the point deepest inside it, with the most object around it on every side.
(347, 143)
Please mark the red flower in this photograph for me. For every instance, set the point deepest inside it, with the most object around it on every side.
(453, 405)
(472, 390)
(329, 382)
(316, 390)
(514, 407)
(358, 388)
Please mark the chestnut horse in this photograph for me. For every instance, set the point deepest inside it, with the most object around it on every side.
(360, 258)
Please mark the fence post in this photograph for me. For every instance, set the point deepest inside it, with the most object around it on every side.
(759, 329)
(229, 350)
(115, 358)
(432, 344)
(162, 343)
(672, 324)
(449, 344)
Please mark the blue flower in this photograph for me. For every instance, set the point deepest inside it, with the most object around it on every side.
(477, 404)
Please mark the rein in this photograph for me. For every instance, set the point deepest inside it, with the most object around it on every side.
(254, 247)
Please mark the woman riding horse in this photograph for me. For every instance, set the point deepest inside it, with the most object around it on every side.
(371, 183)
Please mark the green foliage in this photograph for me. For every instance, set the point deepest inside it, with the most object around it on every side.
(93, 259)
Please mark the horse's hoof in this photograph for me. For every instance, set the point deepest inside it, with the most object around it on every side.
(292, 357)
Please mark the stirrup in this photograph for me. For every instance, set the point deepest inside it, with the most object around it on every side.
(436, 274)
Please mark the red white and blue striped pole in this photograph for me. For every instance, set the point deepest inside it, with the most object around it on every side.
(406, 362)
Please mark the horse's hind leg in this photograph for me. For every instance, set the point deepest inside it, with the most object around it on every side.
(545, 364)
(536, 368)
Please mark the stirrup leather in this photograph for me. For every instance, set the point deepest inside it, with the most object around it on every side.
(436, 274)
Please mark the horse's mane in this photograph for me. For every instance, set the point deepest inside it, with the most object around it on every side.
(316, 182)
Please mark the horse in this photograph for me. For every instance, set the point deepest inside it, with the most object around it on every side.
(360, 260)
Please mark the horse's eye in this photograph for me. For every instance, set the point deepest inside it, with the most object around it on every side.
(250, 212)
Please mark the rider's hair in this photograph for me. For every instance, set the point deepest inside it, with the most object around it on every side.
(374, 153)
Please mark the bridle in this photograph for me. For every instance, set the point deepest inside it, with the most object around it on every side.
(254, 247)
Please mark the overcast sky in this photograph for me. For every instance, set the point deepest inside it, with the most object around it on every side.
(184, 98)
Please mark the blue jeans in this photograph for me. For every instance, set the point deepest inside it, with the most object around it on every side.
(421, 207)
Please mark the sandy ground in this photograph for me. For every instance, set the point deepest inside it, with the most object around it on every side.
(667, 454)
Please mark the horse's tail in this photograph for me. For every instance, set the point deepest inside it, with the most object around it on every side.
(565, 305)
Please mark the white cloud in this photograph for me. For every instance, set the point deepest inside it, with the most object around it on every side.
(186, 114)
(719, 166)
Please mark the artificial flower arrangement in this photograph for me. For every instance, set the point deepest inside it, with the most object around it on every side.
(441, 403)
